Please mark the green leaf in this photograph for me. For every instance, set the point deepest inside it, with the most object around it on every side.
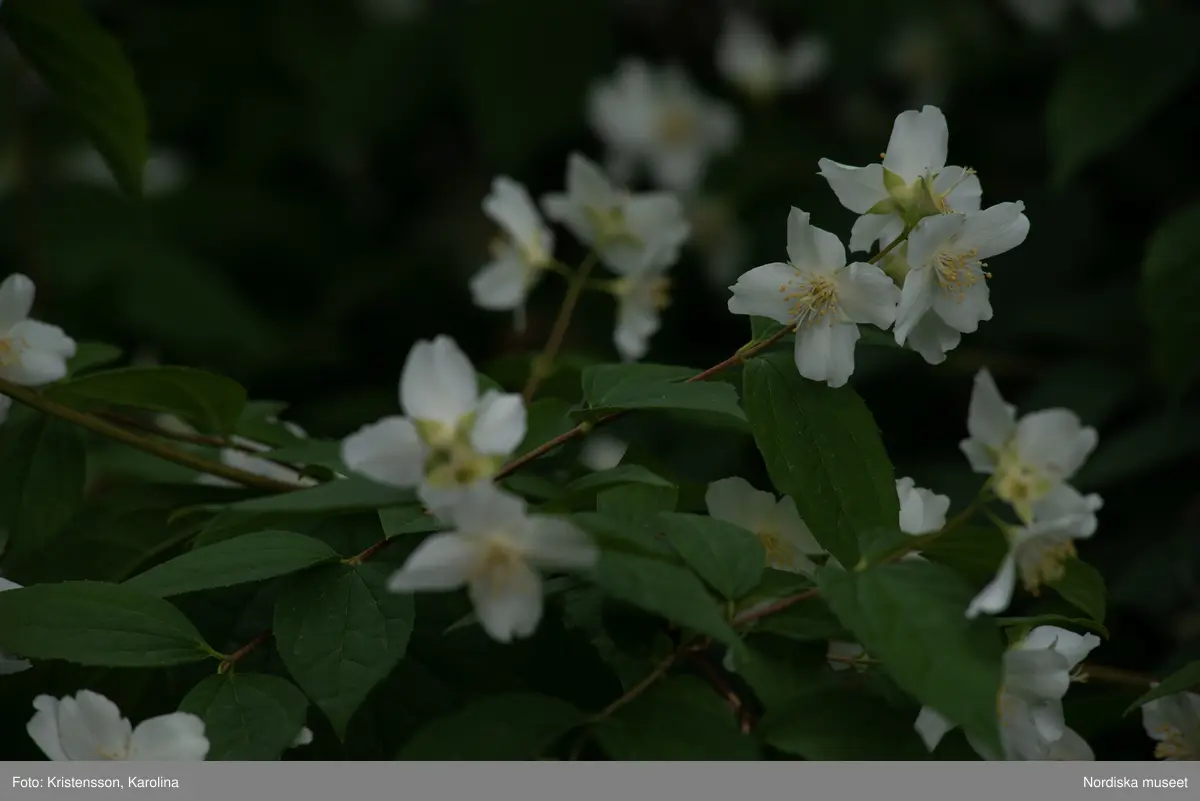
(259, 421)
(1034, 621)
(780, 670)
(247, 716)
(836, 724)
(822, 448)
(520, 727)
(809, 620)
(614, 387)
(252, 557)
(315, 452)
(664, 589)
(340, 632)
(86, 69)
(680, 719)
(1170, 293)
(911, 616)
(775, 584)
(1098, 101)
(90, 355)
(400, 520)
(546, 419)
(90, 623)
(973, 551)
(1083, 587)
(42, 480)
(1186, 679)
(210, 402)
(729, 558)
(341, 495)
(594, 483)
(228, 524)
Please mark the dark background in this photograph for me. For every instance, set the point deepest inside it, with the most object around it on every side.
(334, 158)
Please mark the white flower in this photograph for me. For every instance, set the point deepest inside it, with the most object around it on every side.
(921, 511)
(602, 452)
(621, 226)
(723, 243)
(658, 118)
(1037, 674)
(494, 549)
(239, 459)
(1174, 721)
(449, 439)
(823, 297)
(1049, 14)
(303, 737)
(912, 182)
(31, 353)
(10, 664)
(750, 58)
(846, 655)
(1031, 459)
(520, 255)
(165, 171)
(775, 521)
(641, 295)
(1037, 551)
(89, 727)
(946, 277)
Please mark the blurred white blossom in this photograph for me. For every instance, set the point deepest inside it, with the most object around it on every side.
(602, 452)
(785, 537)
(32, 353)
(519, 256)
(165, 171)
(750, 58)
(89, 727)
(921, 511)
(658, 119)
(1046, 15)
(821, 295)
(1174, 721)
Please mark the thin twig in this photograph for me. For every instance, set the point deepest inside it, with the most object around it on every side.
(774, 608)
(241, 653)
(543, 364)
(639, 688)
(714, 677)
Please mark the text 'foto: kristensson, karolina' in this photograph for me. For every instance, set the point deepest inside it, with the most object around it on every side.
(76, 783)
(1129, 781)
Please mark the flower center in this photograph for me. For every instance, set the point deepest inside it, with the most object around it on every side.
(810, 301)
(1045, 565)
(780, 553)
(1174, 745)
(677, 125)
(8, 351)
(657, 290)
(941, 200)
(499, 563)
(452, 461)
(958, 270)
(1019, 484)
(611, 225)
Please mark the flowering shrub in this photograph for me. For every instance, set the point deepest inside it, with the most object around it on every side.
(448, 581)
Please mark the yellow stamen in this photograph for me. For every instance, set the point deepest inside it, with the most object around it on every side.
(1174, 745)
(1019, 483)
(780, 554)
(957, 271)
(677, 125)
(809, 301)
(1048, 567)
(611, 225)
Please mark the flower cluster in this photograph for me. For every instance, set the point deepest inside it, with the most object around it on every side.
(32, 353)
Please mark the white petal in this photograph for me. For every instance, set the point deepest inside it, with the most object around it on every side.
(659, 221)
(1055, 440)
(637, 321)
(981, 457)
(510, 205)
(931, 235)
(997, 595)
(438, 382)
(963, 192)
(746, 54)
(826, 352)
(1041, 14)
(1073, 647)
(871, 228)
(735, 501)
(1049, 720)
(508, 601)
(968, 308)
(932, 726)
(16, 300)
(921, 511)
(502, 284)
(602, 452)
(679, 169)
(44, 337)
(919, 142)
(805, 61)
(1071, 747)
(933, 339)
(1067, 507)
(554, 543)
(485, 508)
(90, 727)
(867, 295)
(995, 230)
(810, 247)
(760, 292)
(916, 299)
(178, 737)
(500, 424)
(989, 419)
(303, 737)
(587, 183)
(390, 452)
(857, 188)
(1036, 675)
(43, 728)
(10, 664)
(793, 528)
(441, 562)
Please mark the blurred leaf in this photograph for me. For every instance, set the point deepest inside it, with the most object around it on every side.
(86, 69)
(90, 623)
(1098, 101)
(253, 557)
(547, 418)
(809, 620)
(413, 519)
(831, 724)
(822, 448)
(90, 355)
(44, 468)
(1083, 586)
(341, 495)
(340, 632)
(974, 551)
(678, 720)
(311, 452)
(247, 716)
(210, 402)
(664, 589)
(909, 614)
(587, 487)
(613, 387)
(730, 559)
(1171, 293)
(779, 670)
(517, 727)
(1181, 681)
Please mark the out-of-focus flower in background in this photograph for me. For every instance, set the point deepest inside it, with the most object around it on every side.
(1048, 15)
(750, 58)
(166, 171)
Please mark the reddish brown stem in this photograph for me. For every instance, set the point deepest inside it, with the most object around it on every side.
(778, 606)
(241, 653)
(714, 677)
